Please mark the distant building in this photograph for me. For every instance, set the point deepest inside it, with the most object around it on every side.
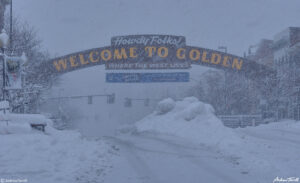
(283, 55)
(286, 50)
(263, 53)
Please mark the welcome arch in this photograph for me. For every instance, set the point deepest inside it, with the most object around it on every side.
(155, 52)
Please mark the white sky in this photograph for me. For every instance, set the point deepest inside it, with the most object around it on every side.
(67, 26)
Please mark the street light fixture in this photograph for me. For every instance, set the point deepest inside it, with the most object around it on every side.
(250, 49)
(11, 61)
(4, 39)
(24, 58)
(223, 48)
(225, 79)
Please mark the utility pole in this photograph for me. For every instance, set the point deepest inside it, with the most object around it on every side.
(3, 45)
(3, 4)
(225, 80)
(10, 28)
(3, 74)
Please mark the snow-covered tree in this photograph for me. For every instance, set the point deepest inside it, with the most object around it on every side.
(233, 95)
(25, 39)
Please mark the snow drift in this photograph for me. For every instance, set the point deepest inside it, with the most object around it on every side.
(265, 151)
(54, 156)
(190, 119)
(20, 123)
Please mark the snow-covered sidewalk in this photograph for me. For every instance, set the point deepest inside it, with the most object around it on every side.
(54, 156)
(273, 149)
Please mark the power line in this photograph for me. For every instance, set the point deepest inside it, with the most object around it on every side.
(79, 96)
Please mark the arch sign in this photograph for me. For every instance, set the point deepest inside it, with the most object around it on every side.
(154, 52)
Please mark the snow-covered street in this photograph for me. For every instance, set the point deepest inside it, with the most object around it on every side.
(260, 154)
(157, 158)
(151, 157)
(181, 141)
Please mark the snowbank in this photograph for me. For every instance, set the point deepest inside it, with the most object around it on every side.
(62, 156)
(26, 118)
(54, 156)
(266, 151)
(20, 123)
(190, 119)
(11, 128)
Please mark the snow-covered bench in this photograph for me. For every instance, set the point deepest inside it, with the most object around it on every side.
(38, 126)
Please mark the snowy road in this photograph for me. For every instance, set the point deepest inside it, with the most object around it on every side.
(187, 144)
(153, 158)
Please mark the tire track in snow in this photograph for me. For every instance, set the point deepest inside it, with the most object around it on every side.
(136, 162)
(193, 159)
(181, 155)
(273, 138)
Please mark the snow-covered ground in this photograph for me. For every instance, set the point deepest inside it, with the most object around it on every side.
(259, 154)
(54, 156)
(271, 150)
(181, 141)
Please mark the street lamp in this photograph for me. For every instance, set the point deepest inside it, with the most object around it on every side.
(4, 39)
(250, 49)
(223, 48)
(225, 79)
(24, 58)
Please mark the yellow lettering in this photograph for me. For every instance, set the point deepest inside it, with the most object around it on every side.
(73, 61)
(162, 53)
(179, 55)
(237, 64)
(82, 60)
(194, 54)
(92, 56)
(118, 55)
(59, 63)
(204, 59)
(225, 61)
(215, 58)
(150, 50)
(132, 52)
(106, 55)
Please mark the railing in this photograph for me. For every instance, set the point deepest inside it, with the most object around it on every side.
(235, 121)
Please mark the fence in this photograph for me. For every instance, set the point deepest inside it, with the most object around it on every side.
(235, 121)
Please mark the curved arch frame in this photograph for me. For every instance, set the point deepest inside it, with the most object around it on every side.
(156, 53)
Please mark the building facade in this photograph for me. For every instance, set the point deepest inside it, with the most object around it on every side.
(282, 98)
(286, 50)
(261, 53)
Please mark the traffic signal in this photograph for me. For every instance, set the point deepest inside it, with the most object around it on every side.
(111, 98)
(128, 102)
(146, 102)
(90, 99)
